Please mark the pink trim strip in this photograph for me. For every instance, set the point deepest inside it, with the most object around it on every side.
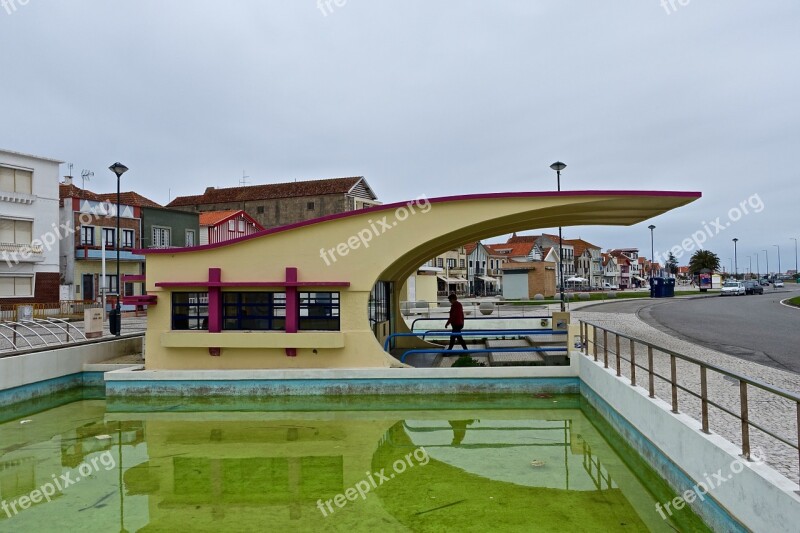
(176, 284)
(132, 277)
(443, 199)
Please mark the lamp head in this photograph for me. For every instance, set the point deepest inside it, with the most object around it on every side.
(651, 227)
(558, 166)
(118, 168)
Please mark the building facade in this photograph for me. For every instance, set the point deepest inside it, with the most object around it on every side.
(280, 204)
(219, 226)
(92, 236)
(29, 229)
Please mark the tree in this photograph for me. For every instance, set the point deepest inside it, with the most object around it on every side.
(703, 259)
(672, 264)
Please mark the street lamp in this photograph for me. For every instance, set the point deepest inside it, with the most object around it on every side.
(779, 259)
(767, 256)
(558, 166)
(758, 269)
(795, 256)
(652, 251)
(735, 260)
(119, 169)
(750, 268)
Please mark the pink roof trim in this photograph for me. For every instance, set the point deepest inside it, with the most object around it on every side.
(442, 199)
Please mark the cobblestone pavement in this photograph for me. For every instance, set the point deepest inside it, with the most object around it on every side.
(771, 412)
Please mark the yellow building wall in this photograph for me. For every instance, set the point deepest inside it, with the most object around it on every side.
(387, 244)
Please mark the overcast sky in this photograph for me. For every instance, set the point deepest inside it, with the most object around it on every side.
(425, 97)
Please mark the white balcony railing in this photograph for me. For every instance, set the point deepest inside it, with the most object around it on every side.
(21, 253)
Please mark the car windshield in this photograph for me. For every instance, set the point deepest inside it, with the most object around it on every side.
(731, 284)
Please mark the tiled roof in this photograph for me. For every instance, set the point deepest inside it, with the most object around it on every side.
(520, 249)
(268, 191)
(468, 248)
(71, 191)
(129, 198)
(516, 239)
(580, 245)
(211, 218)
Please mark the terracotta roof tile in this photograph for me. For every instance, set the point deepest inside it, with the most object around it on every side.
(210, 218)
(519, 249)
(129, 198)
(71, 191)
(268, 191)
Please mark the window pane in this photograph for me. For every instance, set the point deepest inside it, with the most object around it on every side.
(23, 181)
(23, 232)
(23, 286)
(7, 179)
(6, 286)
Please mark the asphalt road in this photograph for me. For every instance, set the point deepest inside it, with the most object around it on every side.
(756, 328)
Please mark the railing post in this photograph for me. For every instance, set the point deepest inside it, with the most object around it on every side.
(605, 348)
(704, 398)
(650, 375)
(633, 364)
(745, 420)
(619, 359)
(673, 379)
(617, 347)
(594, 341)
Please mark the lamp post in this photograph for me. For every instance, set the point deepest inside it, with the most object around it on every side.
(652, 251)
(779, 259)
(119, 169)
(795, 256)
(735, 260)
(758, 269)
(750, 268)
(767, 256)
(558, 166)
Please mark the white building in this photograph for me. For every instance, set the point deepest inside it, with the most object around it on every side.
(29, 229)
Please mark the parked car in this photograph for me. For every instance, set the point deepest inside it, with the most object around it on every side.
(732, 288)
(778, 284)
(753, 287)
(609, 287)
(764, 282)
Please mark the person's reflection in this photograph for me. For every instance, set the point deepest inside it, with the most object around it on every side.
(459, 430)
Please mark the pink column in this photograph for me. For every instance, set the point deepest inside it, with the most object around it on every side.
(214, 301)
(292, 307)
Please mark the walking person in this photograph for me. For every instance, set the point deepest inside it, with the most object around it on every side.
(456, 320)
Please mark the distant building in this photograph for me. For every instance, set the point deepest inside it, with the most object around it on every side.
(587, 261)
(93, 218)
(481, 271)
(523, 281)
(29, 232)
(279, 204)
(220, 226)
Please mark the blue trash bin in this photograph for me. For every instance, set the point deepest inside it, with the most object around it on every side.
(657, 287)
(669, 287)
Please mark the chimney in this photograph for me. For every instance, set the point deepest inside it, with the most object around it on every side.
(67, 180)
(209, 189)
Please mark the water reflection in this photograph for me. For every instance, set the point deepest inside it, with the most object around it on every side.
(228, 471)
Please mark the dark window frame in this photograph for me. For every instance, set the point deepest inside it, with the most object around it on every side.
(244, 311)
(193, 317)
(323, 311)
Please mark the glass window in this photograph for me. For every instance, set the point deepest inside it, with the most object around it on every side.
(108, 237)
(461, 263)
(190, 310)
(16, 180)
(319, 311)
(16, 286)
(260, 210)
(231, 225)
(87, 235)
(254, 310)
(162, 237)
(127, 238)
(241, 226)
(110, 283)
(310, 206)
(439, 262)
(189, 237)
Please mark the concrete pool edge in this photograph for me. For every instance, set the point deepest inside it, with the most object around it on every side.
(757, 497)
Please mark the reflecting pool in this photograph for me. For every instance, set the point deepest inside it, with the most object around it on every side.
(338, 464)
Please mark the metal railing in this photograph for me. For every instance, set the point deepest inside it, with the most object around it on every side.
(601, 349)
(62, 309)
(475, 318)
(387, 343)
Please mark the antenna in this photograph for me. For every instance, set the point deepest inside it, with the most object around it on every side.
(86, 175)
(243, 181)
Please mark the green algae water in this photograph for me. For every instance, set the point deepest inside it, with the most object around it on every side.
(326, 464)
